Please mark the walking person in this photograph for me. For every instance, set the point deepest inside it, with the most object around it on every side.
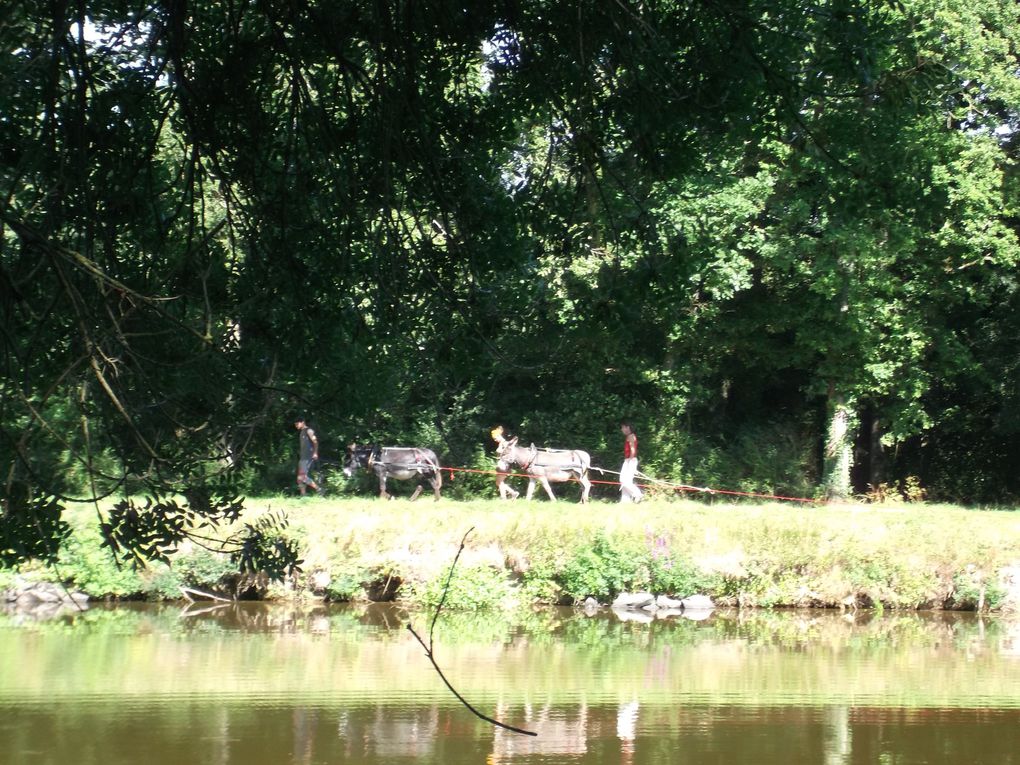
(629, 492)
(308, 453)
(506, 491)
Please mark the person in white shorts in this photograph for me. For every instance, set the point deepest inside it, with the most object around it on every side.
(629, 492)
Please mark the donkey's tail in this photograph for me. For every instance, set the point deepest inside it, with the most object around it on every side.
(583, 460)
(437, 470)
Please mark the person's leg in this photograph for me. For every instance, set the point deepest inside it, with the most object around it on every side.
(629, 492)
(506, 491)
(625, 479)
(635, 491)
(304, 480)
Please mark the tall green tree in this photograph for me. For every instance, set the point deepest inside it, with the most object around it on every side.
(754, 226)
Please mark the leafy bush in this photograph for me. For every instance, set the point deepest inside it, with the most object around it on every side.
(604, 569)
(201, 570)
(756, 457)
(470, 588)
(885, 580)
(347, 581)
(762, 584)
(907, 490)
(163, 583)
(972, 590)
(344, 588)
(31, 527)
(678, 577)
(539, 582)
(92, 568)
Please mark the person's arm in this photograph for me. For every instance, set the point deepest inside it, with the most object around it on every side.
(315, 444)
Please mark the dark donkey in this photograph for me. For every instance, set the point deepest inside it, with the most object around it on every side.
(400, 462)
(545, 465)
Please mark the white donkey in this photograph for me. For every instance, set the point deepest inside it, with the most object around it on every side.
(544, 465)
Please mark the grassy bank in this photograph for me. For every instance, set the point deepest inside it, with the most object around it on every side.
(904, 556)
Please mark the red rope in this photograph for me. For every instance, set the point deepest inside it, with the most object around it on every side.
(675, 487)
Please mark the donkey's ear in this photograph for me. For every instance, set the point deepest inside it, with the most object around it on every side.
(513, 441)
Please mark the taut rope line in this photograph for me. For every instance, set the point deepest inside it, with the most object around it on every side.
(651, 482)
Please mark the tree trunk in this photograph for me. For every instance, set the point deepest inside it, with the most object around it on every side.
(869, 454)
(839, 446)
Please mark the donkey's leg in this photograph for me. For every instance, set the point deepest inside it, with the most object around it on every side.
(437, 484)
(548, 488)
(382, 486)
(586, 484)
(531, 488)
(417, 491)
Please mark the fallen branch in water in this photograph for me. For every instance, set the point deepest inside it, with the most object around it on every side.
(191, 594)
(430, 652)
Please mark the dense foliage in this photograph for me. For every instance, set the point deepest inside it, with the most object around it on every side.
(779, 236)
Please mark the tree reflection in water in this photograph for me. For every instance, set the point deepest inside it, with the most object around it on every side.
(310, 684)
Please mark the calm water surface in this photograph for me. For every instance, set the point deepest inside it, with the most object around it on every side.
(261, 684)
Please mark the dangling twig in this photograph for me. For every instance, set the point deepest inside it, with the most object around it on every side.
(430, 653)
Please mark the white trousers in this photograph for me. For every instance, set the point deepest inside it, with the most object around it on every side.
(628, 491)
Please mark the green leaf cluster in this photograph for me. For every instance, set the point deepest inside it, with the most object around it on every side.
(754, 229)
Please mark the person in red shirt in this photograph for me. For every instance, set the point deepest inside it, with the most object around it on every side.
(629, 492)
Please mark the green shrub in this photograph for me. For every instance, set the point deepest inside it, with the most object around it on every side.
(889, 582)
(677, 577)
(604, 569)
(344, 588)
(347, 581)
(204, 570)
(770, 456)
(673, 574)
(470, 588)
(91, 567)
(163, 583)
(201, 570)
(761, 585)
(972, 590)
(539, 582)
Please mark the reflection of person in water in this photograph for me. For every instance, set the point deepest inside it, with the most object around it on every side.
(626, 730)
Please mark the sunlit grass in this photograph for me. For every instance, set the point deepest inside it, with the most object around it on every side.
(905, 555)
(788, 554)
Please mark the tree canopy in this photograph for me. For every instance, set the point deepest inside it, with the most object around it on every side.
(780, 237)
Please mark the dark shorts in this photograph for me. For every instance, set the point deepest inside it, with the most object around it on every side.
(303, 467)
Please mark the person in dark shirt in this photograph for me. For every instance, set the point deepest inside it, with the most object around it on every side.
(308, 453)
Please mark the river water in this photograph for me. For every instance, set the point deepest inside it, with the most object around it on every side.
(260, 684)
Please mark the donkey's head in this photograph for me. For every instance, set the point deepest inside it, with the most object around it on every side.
(352, 459)
(505, 453)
